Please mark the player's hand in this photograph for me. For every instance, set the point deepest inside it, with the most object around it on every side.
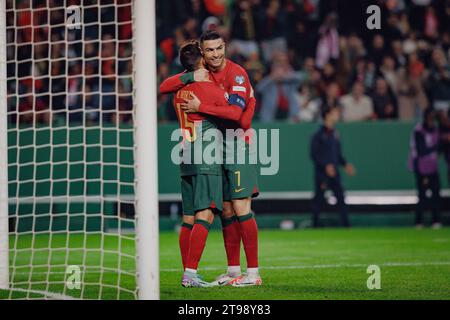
(192, 105)
(252, 93)
(201, 75)
(330, 170)
(350, 169)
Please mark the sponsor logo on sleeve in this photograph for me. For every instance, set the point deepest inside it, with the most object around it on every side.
(239, 79)
(239, 88)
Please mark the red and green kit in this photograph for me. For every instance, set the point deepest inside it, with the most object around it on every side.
(201, 183)
(240, 180)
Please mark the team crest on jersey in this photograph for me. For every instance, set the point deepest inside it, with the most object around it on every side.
(239, 79)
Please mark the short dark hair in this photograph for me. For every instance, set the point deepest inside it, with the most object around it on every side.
(210, 35)
(190, 55)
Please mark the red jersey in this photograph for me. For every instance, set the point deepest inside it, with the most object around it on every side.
(214, 103)
(233, 79)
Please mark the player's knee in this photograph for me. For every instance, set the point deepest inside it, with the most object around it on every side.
(188, 219)
(205, 215)
(242, 206)
(227, 211)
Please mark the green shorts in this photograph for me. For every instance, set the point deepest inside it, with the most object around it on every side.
(240, 181)
(200, 192)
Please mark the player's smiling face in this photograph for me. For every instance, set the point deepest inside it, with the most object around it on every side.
(214, 53)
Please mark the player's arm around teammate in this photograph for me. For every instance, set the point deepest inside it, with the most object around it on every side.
(178, 81)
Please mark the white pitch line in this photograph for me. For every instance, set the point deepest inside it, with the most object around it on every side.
(51, 295)
(316, 266)
(324, 266)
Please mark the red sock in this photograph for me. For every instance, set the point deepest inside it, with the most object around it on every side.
(183, 240)
(249, 232)
(232, 240)
(199, 235)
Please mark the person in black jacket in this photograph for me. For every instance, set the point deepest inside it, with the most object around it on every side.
(327, 156)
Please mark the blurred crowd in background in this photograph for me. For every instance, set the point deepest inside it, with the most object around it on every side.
(301, 56)
(61, 74)
(305, 55)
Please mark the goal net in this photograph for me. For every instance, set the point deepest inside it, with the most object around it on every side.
(70, 204)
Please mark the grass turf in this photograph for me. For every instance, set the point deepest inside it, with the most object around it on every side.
(301, 264)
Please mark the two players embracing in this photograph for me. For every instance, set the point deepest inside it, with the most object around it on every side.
(219, 97)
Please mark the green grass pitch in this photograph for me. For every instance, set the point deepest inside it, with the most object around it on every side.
(301, 264)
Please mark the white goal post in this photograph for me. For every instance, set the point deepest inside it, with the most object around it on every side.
(146, 159)
(4, 253)
(79, 215)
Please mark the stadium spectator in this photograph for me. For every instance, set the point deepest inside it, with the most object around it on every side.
(273, 30)
(378, 51)
(302, 44)
(165, 109)
(357, 106)
(398, 54)
(445, 21)
(440, 80)
(431, 24)
(255, 68)
(311, 76)
(331, 97)
(352, 54)
(384, 103)
(243, 25)
(278, 90)
(126, 93)
(423, 161)
(410, 44)
(392, 31)
(328, 45)
(309, 105)
(326, 154)
(33, 110)
(327, 77)
(411, 93)
(445, 41)
(417, 17)
(108, 88)
(92, 100)
(364, 72)
(389, 72)
(74, 94)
